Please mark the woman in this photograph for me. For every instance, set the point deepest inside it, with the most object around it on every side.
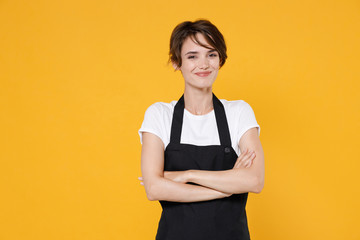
(190, 157)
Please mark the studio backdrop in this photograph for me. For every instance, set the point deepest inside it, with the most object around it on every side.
(77, 76)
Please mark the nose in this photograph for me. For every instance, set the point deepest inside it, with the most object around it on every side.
(203, 63)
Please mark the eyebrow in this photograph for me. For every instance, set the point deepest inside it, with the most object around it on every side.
(194, 52)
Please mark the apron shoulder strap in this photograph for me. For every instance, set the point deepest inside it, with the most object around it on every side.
(176, 125)
(221, 121)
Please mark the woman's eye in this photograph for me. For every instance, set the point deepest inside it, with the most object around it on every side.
(213, 55)
(190, 57)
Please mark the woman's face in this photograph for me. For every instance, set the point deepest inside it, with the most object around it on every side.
(200, 65)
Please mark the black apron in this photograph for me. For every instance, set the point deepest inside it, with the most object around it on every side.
(218, 219)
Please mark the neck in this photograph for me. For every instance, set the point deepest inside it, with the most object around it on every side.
(198, 101)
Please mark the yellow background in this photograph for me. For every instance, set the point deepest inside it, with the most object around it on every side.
(77, 77)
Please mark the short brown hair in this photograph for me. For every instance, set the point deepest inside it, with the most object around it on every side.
(189, 29)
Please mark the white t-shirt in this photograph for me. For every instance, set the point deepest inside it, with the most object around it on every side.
(199, 130)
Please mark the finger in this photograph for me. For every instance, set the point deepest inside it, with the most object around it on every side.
(249, 153)
(253, 155)
(240, 163)
(241, 157)
(244, 153)
(251, 162)
(248, 165)
(249, 156)
(237, 163)
(245, 159)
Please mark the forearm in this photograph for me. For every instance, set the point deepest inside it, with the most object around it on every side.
(237, 180)
(168, 190)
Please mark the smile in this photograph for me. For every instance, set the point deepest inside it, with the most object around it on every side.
(203, 74)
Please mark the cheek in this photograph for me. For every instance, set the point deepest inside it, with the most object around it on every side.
(215, 63)
(189, 66)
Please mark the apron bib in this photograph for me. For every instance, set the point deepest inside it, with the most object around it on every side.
(218, 219)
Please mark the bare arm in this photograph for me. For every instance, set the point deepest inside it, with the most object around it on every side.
(236, 180)
(159, 188)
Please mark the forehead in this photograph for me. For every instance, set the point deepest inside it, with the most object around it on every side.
(191, 45)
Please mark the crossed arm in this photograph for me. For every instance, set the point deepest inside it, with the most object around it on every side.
(246, 176)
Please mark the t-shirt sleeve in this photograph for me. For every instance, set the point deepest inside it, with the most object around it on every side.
(247, 120)
(152, 122)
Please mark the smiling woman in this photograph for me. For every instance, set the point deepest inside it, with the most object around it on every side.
(213, 39)
(200, 66)
(201, 155)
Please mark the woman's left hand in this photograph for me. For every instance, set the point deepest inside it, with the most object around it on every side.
(245, 159)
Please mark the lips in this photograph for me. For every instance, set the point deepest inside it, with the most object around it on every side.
(203, 74)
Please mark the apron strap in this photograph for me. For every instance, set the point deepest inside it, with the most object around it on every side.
(220, 116)
(222, 124)
(176, 125)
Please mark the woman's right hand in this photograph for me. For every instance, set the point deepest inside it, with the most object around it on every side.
(245, 159)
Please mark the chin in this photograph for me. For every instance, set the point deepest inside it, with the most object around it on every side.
(202, 86)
